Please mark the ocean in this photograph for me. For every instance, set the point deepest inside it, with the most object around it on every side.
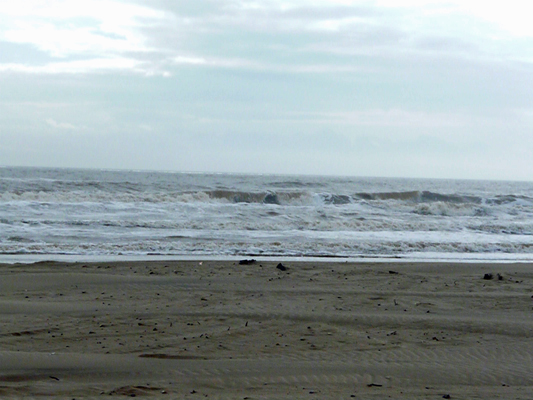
(71, 214)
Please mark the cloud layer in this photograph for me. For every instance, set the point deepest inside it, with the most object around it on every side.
(157, 36)
(421, 88)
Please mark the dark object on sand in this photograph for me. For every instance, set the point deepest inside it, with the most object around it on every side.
(446, 396)
(488, 277)
(247, 262)
(500, 277)
(393, 272)
(281, 267)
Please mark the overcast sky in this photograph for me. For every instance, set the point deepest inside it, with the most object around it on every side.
(411, 88)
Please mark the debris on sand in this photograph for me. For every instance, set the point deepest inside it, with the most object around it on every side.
(281, 267)
(134, 391)
(247, 262)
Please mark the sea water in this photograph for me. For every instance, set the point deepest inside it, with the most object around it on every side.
(91, 214)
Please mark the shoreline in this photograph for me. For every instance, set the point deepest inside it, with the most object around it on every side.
(251, 261)
(469, 258)
(218, 329)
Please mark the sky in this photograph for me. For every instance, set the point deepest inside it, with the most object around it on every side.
(411, 88)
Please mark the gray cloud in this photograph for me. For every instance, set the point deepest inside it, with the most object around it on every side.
(229, 85)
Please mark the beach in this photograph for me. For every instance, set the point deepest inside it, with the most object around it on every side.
(222, 329)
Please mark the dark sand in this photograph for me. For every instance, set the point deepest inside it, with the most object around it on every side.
(222, 330)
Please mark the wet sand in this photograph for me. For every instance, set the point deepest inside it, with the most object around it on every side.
(193, 329)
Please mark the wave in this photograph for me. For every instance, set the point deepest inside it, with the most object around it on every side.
(451, 210)
(182, 246)
(224, 196)
(507, 229)
(271, 222)
(421, 197)
(245, 197)
(507, 199)
(127, 194)
(409, 197)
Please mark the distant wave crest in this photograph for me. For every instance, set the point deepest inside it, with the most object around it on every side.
(259, 197)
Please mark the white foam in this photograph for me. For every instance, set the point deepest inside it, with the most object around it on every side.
(122, 213)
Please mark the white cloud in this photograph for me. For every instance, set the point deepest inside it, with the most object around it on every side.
(513, 16)
(117, 35)
(75, 67)
(191, 60)
(61, 125)
(64, 41)
(489, 29)
(146, 128)
(397, 117)
(241, 63)
(106, 10)
(94, 30)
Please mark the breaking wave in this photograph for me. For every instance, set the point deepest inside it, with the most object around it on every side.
(259, 197)
(188, 246)
(113, 213)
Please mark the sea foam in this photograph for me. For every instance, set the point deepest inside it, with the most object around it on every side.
(98, 213)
